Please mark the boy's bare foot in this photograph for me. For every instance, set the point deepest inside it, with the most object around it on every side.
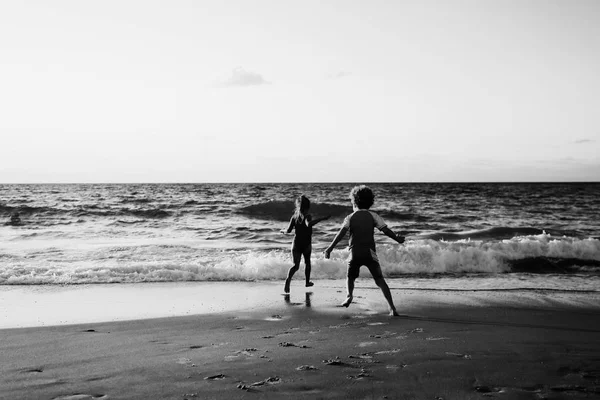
(309, 284)
(286, 287)
(347, 302)
(394, 313)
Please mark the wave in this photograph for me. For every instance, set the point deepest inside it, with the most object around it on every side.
(497, 233)
(27, 210)
(282, 210)
(92, 209)
(534, 254)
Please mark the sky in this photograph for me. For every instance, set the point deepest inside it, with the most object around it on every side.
(299, 91)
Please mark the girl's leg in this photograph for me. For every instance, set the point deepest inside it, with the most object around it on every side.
(296, 259)
(307, 266)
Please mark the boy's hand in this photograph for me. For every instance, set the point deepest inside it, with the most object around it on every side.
(400, 239)
(283, 231)
(327, 253)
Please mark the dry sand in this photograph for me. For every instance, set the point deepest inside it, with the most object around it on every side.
(448, 345)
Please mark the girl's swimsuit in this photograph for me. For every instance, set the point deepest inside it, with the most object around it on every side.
(303, 236)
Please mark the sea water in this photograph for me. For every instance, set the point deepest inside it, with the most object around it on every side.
(473, 236)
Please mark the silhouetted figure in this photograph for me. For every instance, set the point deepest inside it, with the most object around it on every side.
(302, 223)
(15, 219)
(361, 224)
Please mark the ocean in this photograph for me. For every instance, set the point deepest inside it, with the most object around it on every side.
(460, 236)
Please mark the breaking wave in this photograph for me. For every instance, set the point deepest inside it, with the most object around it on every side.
(533, 254)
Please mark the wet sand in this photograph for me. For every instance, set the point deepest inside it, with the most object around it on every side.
(259, 343)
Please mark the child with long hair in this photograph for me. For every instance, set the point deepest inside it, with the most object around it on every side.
(302, 223)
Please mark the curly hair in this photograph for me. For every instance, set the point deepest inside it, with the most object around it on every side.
(362, 196)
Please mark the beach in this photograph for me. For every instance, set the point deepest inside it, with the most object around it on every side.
(175, 291)
(248, 340)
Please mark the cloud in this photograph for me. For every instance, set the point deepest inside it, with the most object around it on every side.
(338, 75)
(581, 141)
(242, 78)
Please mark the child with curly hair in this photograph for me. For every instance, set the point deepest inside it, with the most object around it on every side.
(361, 224)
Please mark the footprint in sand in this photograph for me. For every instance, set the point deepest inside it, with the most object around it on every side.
(363, 356)
(392, 351)
(487, 389)
(465, 356)
(269, 381)
(384, 335)
(33, 370)
(275, 317)
(362, 374)
(249, 352)
(335, 361)
(217, 377)
(288, 344)
(366, 344)
(185, 361)
(306, 368)
(566, 371)
(573, 388)
(396, 367)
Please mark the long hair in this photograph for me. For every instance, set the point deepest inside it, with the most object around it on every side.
(302, 206)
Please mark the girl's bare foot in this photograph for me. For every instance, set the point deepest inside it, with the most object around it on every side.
(394, 313)
(286, 287)
(309, 284)
(347, 302)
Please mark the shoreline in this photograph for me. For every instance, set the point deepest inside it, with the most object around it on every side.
(51, 305)
(450, 345)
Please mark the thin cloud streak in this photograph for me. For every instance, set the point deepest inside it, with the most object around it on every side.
(242, 78)
(581, 141)
(339, 75)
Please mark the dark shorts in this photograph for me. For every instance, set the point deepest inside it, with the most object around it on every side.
(298, 252)
(358, 260)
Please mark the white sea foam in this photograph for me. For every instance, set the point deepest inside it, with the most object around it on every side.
(188, 262)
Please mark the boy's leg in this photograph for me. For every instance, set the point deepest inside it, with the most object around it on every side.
(350, 291)
(379, 281)
(296, 258)
(375, 270)
(351, 275)
(307, 265)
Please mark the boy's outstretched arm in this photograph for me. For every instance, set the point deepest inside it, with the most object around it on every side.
(317, 220)
(340, 235)
(389, 233)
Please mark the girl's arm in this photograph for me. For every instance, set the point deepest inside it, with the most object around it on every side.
(317, 220)
(340, 235)
(290, 226)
